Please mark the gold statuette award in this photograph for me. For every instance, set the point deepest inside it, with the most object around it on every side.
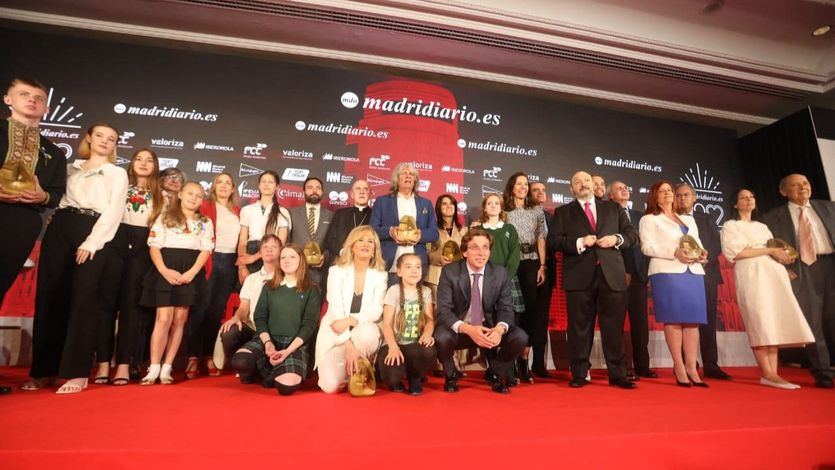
(452, 251)
(363, 383)
(313, 253)
(407, 231)
(778, 243)
(690, 246)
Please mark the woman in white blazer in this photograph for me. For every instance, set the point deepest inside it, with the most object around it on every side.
(356, 286)
(677, 280)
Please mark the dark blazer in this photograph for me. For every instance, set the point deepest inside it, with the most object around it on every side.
(384, 216)
(635, 261)
(570, 223)
(779, 221)
(341, 225)
(709, 236)
(300, 235)
(454, 295)
(51, 168)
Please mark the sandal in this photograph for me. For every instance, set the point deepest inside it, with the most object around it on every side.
(120, 381)
(37, 384)
(212, 370)
(70, 388)
(103, 380)
(192, 368)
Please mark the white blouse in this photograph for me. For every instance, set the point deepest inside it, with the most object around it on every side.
(254, 217)
(138, 206)
(103, 190)
(196, 235)
(227, 231)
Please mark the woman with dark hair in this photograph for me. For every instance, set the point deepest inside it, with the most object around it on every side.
(449, 229)
(258, 219)
(285, 320)
(171, 181)
(221, 207)
(529, 220)
(677, 278)
(69, 304)
(770, 311)
(131, 261)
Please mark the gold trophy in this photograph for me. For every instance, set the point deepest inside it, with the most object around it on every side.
(407, 231)
(16, 178)
(690, 247)
(452, 251)
(778, 243)
(363, 383)
(313, 253)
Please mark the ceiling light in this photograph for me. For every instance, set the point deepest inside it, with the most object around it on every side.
(821, 30)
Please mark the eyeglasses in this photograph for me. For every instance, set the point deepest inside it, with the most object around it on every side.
(174, 178)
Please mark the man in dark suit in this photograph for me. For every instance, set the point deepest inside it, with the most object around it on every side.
(590, 232)
(346, 219)
(809, 225)
(311, 222)
(709, 236)
(475, 308)
(637, 265)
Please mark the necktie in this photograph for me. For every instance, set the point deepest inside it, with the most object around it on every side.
(590, 216)
(627, 215)
(808, 254)
(476, 309)
(311, 221)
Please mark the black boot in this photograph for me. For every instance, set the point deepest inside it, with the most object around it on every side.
(524, 372)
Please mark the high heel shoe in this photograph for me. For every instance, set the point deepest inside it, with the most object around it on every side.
(680, 383)
(213, 371)
(697, 384)
(192, 368)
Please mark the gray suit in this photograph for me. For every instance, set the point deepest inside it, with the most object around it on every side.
(814, 286)
(300, 236)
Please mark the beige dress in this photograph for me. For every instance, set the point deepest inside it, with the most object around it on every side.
(764, 293)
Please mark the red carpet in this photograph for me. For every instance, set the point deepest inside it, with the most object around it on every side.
(218, 423)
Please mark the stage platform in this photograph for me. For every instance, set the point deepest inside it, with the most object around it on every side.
(218, 423)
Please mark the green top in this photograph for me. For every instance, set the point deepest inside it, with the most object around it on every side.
(286, 312)
(505, 250)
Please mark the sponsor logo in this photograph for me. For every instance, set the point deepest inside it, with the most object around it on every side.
(560, 199)
(219, 148)
(462, 206)
(455, 188)
(254, 151)
(248, 170)
(462, 143)
(121, 161)
(339, 158)
(248, 192)
(424, 185)
(485, 190)
(421, 165)
(379, 162)
(338, 198)
(168, 163)
(295, 174)
(344, 129)
(59, 134)
(124, 139)
(349, 99)
(532, 177)
(284, 193)
(376, 180)
(450, 169)
(492, 174)
(209, 167)
(337, 177)
(628, 164)
(499, 147)
(553, 179)
(293, 154)
(66, 148)
(431, 109)
(163, 143)
(61, 113)
(206, 185)
(709, 198)
(164, 112)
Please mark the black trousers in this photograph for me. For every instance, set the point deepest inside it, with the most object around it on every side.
(204, 321)
(707, 331)
(21, 226)
(135, 321)
(417, 359)
(69, 306)
(815, 292)
(535, 318)
(501, 359)
(636, 302)
(583, 306)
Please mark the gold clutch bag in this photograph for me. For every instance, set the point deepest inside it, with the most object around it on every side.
(312, 253)
(362, 382)
(407, 230)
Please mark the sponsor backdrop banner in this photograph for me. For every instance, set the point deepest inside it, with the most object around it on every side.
(205, 113)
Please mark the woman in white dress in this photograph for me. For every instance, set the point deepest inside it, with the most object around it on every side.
(772, 317)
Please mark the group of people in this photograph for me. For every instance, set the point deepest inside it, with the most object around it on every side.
(406, 283)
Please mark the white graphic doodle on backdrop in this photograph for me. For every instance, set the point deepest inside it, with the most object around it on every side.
(57, 115)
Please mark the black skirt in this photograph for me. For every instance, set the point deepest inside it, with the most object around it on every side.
(157, 292)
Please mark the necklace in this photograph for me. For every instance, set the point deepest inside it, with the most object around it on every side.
(362, 220)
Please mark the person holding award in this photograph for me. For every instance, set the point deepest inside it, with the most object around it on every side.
(448, 247)
(404, 221)
(310, 224)
(671, 241)
(772, 316)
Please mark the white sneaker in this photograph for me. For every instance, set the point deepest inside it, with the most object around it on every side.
(588, 376)
(784, 386)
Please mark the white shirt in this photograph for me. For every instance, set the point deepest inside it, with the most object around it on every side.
(103, 190)
(457, 325)
(196, 235)
(228, 229)
(405, 206)
(499, 224)
(251, 290)
(254, 217)
(823, 245)
(138, 207)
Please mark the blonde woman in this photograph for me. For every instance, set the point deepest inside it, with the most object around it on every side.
(356, 286)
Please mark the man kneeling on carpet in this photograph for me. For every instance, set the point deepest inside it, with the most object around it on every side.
(285, 317)
(475, 308)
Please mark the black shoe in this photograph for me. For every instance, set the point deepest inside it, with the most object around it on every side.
(450, 385)
(680, 383)
(717, 374)
(578, 382)
(632, 378)
(524, 372)
(423, 379)
(542, 372)
(622, 382)
(823, 382)
(649, 374)
(133, 373)
(490, 377)
(499, 387)
(696, 384)
(397, 388)
(5, 390)
(415, 387)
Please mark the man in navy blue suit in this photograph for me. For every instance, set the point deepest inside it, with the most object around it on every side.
(387, 211)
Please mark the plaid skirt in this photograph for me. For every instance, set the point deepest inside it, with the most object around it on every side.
(295, 363)
(516, 294)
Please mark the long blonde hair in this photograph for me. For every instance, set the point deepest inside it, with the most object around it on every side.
(347, 255)
(232, 203)
(174, 215)
(84, 151)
